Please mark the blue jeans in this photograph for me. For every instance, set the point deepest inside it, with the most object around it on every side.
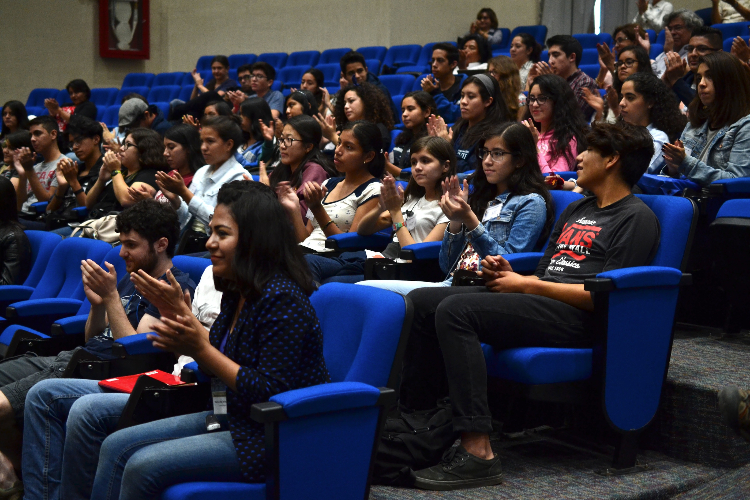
(64, 231)
(349, 267)
(404, 287)
(143, 460)
(66, 421)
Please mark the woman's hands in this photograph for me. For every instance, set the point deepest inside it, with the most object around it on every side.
(674, 155)
(328, 126)
(287, 196)
(141, 192)
(111, 162)
(326, 98)
(174, 184)
(391, 195)
(182, 335)
(191, 120)
(595, 101)
(52, 106)
(314, 194)
(197, 77)
(268, 132)
(436, 127)
(606, 58)
(532, 128)
(455, 202)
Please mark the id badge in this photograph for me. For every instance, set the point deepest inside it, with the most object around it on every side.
(492, 212)
(411, 223)
(219, 395)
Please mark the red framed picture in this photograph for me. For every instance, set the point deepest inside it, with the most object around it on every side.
(124, 29)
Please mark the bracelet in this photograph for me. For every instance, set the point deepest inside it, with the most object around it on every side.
(397, 226)
(330, 221)
(115, 172)
(78, 191)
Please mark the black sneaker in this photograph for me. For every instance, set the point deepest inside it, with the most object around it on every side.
(459, 469)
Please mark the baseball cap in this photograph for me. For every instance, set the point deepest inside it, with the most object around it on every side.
(130, 111)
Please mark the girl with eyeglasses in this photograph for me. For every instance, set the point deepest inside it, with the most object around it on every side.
(556, 123)
(509, 210)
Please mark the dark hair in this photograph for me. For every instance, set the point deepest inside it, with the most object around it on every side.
(527, 178)
(491, 14)
(629, 31)
(226, 128)
(484, 47)
(47, 122)
(254, 109)
(153, 221)
(266, 68)
(351, 57)
(222, 108)
(714, 36)
(8, 207)
(223, 60)
(641, 57)
(530, 42)
(79, 85)
(731, 92)
(567, 44)
(425, 103)
(443, 152)
(634, 145)
(567, 118)
(376, 106)
(245, 67)
(306, 99)
(451, 51)
(133, 95)
(263, 250)
(369, 138)
(509, 80)
(690, 18)
(150, 147)
(189, 138)
(496, 112)
(310, 133)
(19, 139)
(83, 126)
(19, 111)
(319, 81)
(665, 112)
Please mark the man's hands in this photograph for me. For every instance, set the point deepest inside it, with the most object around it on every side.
(167, 297)
(676, 68)
(499, 275)
(429, 84)
(23, 160)
(99, 285)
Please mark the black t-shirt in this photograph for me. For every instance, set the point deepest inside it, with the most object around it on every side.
(453, 92)
(588, 240)
(108, 201)
(87, 109)
(86, 181)
(402, 154)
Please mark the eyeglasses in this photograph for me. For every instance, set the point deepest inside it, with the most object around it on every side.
(288, 141)
(257, 77)
(628, 63)
(678, 27)
(700, 49)
(244, 77)
(495, 154)
(540, 99)
(128, 145)
(77, 141)
(622, 39)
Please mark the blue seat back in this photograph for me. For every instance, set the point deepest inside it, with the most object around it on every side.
(660, 38)
(590, 56)
(397, 102)
(131, 90)
(705, 14)
(275, 59)
(674, 215)
(728, 43)
(355, 345)
(590, 69)
(174, 78)
(730, 208)
(204, 63)
(589, 40)
(375, 52)
(651, 35)
(104, 97)
(539, 32)
(185, 92)
(237, 60)
(656, 49)
(402, 55)
(113, 257)
(138, 80)
(331, 73)
(194, 266)
(562, 199)
(731, 30)
(63, 97)
(373, 66)
(397, 84)
(303, 58)
(332, 56)
(163, 94)
(425, 54)
(42, 246)
(292, 75)
(111, 116)
(37, 96)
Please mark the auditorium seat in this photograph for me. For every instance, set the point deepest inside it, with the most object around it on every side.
(291, 76)
(397, 102)
(138, 80)
(104, 97)
(656, 49)
(111, 115)
(590, 56)
(402, 55)
(728, 43)
(590, 69)
(422, 65)
(651, 36)
(705, 15)
(163, 106)
(275, 59)
(397, 84)
(373, 66)
(731, 30)
(504, 41)
(163, 94)
(174, 78)
(37, 96)
(589, 40)
(375, 52)
(539, 32)
(232, 74)
(332, 56)
(42, 246)
(204, 63)
(237, 60)
(63, 97)
(331, 73)
(185, 92)
(307, 58)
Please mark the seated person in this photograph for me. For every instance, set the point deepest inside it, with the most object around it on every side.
(148, 233)
(730, 11)
(417, 107)
(486, 27)
(626, 36)
(79, 93)
(15, 249)
(505, 72)
(258, 128)
(137, 113)
(525, 52)
(14, 117)
(266, 289)
(314, 81)
(360, 102)
(301, 102)
(510, 210)
(680, 25)
(113, 139)
(338, 205)
(680, 77)
(414, 214)
(716, 142)
(443, 85)
(75, 180)
(473, 53)
(651, 14)
(12, 143)
(261, 80)
(182, 151)
(548, 309)
(354, 72)
(219, 83)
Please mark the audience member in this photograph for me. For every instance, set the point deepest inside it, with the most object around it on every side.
(79, 93)
(680, 25)
(15, 249)
(679, 75)
(443, 84)
(473, 53)
(414, 214)
(417, 107)
(504, 70)
(486, 26)
(261, 79)
(525, 52)
(625, 37)
(561, 132)
(361, 102)
(550, 308)
(148, 233)
(220, 82)
(14, 117)
(509, 210)
(651, 14)
(245, 76)
(217, 108)
(301, 102)
(714, 144)
(338, 205)
(314, 82)
(182, 151)
(257, 125)
(14, 142)
(137, 113)
(6, 167)
(354, 72)
(730, 11)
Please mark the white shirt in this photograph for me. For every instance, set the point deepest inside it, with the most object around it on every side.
(45, 172)
(730, 15)
(653, 18)
(659, 65)
(659, 138)
(420, 218)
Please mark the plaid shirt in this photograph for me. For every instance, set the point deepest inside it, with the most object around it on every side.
(579, 81)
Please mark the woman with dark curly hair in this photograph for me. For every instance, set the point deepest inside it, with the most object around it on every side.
(473, 53)
(648, 102)
(361, 102)
(558, 123)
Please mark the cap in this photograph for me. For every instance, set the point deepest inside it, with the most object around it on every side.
(130, 111)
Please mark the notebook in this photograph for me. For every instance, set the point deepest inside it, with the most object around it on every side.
(126, 384)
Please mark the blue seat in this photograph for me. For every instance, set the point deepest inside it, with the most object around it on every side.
(660, 38)
(504, 41)
(63, 97)
(193, 266)
(728, 43)
(397, 84)
(631, 352)
(373, 66)
(307, 58)
(706, 15)
(731, 30)
(163, 94)
(275, 59)
(207, 75)
(402, 55)
(187, 79)
(138, 80)
(589, 40)
(651, 35)
(544, 56)
(237, 60)
(539, 32)
(36, 111)
(37, 96)
(131, 90)
(331, 73)
(352, 242)
(232, 74)
(111, 116)
(656, 49)
(362, 352)
(42, 246)
(590, 56)
(292, 75)
(185, 92)
(375, 52)
(332, 56)
(163, 106)
(397, 102)
(590, 69)
(174, 78)
(104, 97)
(204, 63)
(277, 85)
(394, 134)
(100, 112)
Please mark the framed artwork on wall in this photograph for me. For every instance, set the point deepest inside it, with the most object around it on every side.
(124, 29)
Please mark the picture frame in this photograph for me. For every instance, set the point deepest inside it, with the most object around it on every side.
(124, 29)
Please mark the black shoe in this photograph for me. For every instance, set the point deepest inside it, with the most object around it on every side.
(459, 469)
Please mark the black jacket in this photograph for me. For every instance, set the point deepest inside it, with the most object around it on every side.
(15, 255)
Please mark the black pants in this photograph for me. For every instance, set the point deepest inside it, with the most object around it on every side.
(444, 355)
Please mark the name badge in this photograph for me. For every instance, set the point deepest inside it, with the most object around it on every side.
(219, 395)
(411, 223)
(492, 212)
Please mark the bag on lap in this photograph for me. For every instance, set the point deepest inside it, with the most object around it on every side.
(99, 229)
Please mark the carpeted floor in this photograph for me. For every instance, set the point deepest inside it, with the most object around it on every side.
(734, 485)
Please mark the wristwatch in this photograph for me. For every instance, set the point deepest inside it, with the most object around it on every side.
(115, 172)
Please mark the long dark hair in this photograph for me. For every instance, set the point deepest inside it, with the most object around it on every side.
(443, 152)
(150, 147)
(425, 103)
(8, 207)
(19, 139)
(254, 109)
(641, 57)
(263, 250)
(665, 112)
(377, 108)
(226, 128)
(526, 178)
(369, 139)
(530, 42)
(307, 100)
(19, 111)
(496, 112)
(319, 81)
(731, 92)
(309, 131)
(567, 118)
(189, 138)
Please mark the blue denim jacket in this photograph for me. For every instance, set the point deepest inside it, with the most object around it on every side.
(516, 229)
(728, 157)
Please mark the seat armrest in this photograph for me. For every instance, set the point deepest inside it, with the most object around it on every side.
(635, 277)
(15, 293)
(354, 241)
(134, 344)
(69, 326)
(39, 207)
(193, 371)
(740, 185)
(421, 251)
(524, 263)
(47, 307)
(82, 212)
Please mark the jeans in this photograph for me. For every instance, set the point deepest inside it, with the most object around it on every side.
(68, 420)
(142, 461)
(63, 231)
(404, 287)
(444, 353)
(348, 267)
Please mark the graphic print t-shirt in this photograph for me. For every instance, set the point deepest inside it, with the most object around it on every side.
(588, 240)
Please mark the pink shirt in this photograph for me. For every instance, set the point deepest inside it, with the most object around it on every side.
(544, 149)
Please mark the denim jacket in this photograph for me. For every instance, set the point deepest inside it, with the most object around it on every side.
(516, 229)
(728, 157)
